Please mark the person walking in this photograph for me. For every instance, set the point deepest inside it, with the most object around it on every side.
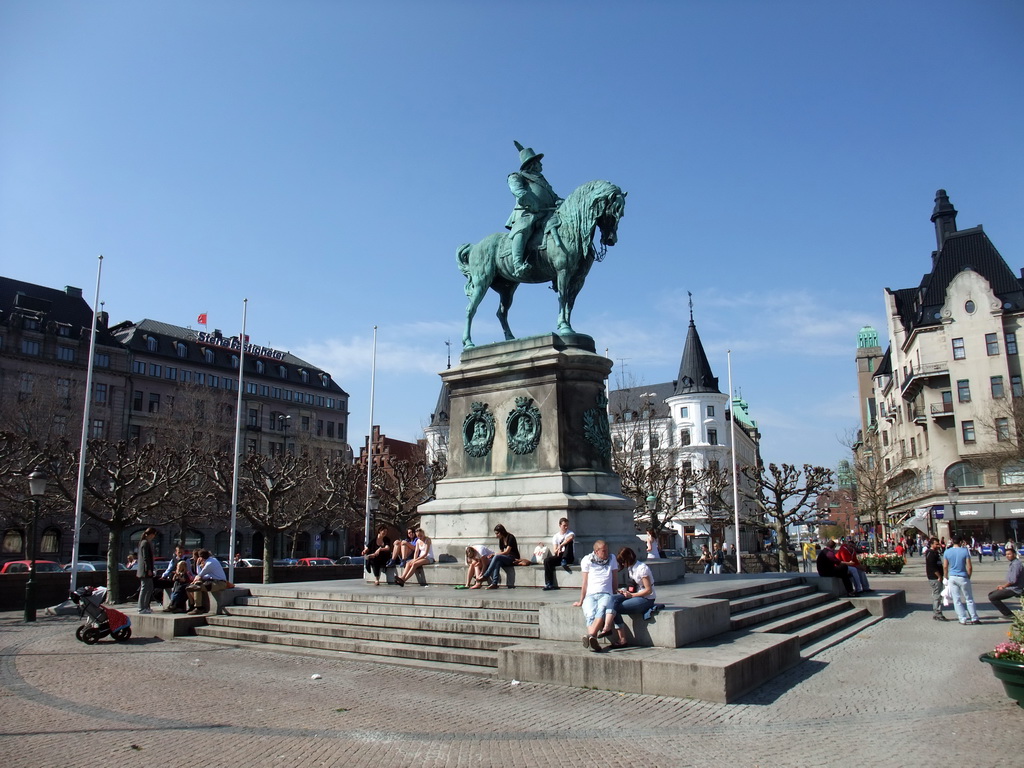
(1013, 587)
(144, 567)
(933, 570)
(957, 568)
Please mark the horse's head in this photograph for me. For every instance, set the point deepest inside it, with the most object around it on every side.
(609, 207)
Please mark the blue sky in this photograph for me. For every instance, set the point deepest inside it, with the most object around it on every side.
(326, 159)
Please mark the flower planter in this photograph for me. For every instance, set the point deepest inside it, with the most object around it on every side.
(1010, 674)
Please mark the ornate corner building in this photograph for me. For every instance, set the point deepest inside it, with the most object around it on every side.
(944, 404)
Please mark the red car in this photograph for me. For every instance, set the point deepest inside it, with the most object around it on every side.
(315, 561)
(22, 566)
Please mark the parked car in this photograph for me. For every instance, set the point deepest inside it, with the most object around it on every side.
(22, 566)
(673, 554)
(249, 562)
(286, 561)
(94, 565)
(315, 561)
(351, 560)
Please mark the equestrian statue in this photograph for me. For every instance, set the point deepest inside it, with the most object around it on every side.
(549, 240)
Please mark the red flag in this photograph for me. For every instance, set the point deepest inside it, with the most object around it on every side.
(202, 319)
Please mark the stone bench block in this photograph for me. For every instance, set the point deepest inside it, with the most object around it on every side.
(681, 623)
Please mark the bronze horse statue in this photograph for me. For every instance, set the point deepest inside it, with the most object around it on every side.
(562, 254)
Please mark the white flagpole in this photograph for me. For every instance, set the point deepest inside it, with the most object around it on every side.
(369, 444)
(86, 412)
(238, 445)
(735, 483)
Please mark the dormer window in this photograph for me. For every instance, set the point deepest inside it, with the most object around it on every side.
(181, 348)
(151, 344)
(260, 367)
(208, 356)
(304, 376)
(234, 361)
(282, 371)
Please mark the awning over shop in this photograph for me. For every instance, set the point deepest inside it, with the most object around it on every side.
(1009, 509)
(967, 512)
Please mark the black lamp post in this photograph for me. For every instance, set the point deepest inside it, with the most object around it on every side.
(37, 488)
(954, 494)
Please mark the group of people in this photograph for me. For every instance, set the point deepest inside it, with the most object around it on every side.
(949, 571)
(841, 561)
(190, 579)
(604, 600)
(409, 554)
(713, 561)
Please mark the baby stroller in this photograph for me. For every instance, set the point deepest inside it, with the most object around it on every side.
(102, 621)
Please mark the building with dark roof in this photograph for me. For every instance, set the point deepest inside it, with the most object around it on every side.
(687, 423)
(947, 385)
(150, 378)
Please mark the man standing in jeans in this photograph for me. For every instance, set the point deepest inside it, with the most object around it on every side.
(933, 570)
(1014, 585)
(956, 567)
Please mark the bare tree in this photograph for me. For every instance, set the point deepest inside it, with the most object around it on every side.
(877, 467)
(785, 494)
(401, 486)
(126, 483)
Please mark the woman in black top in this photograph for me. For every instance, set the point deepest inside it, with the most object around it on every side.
(378, 553)
(508, 553)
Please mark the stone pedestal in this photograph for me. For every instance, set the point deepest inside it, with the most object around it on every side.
(529, 444)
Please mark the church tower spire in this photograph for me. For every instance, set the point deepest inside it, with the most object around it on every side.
(695, 373)
(943, 217)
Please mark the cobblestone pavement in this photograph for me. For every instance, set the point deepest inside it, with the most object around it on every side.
(902, 692)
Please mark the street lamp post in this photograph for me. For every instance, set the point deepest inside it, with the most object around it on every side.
(954, 494)
(37, 488)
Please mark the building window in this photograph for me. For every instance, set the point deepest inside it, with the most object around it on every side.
(154, 402)
(968, 431)
(319, 427)
(264, 390)
(1016, 389)
(254, 418)
(30, 347)
(13, 542)
(688, 500)
(214, 381)
(997, 386)
(963, 475)
(64, 388)
(655, 441)
(234, 361)
(171, 373)
(260, 367)
(200, 378)
(250, 387)
(102, 360)
(100, 393)
(711, 411)
(885, 439)
(134, 432)
(684, 437)
(1011, 343)
(138, 366)
(712, 435)
(913, 447)
(67, 354)
(638, 442)
(181, 348)
(156, 370)
(684, 412)
(963, 390)
(96, 429)
(888, 465)
(959, 353)
(1011, 474)
(304, 377)
(1003, 430)
(305, 423)
(276, 393)
(991, 344)
(208, 356)
(969, 307)
(186, 376)
(319, 401)
(137, 400)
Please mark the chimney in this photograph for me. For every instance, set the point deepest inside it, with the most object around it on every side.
(74, 293)
(943, 217)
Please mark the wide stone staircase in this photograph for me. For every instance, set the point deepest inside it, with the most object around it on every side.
(748, 630)
(402, 626)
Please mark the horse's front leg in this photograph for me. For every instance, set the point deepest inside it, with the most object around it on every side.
(475, 298)
(562, 283)
(505, 293)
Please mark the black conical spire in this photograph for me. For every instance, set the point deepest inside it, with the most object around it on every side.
(943, 217)
(694, 369)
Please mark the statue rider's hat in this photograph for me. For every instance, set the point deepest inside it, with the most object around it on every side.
(526, 155)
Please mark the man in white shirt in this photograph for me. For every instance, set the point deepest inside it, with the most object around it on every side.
(562, 553)
(210, 578)
(600, 569)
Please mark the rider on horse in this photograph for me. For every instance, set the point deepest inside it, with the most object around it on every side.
(535, 202)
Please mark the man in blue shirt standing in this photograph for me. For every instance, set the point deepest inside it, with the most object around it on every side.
(957, 569)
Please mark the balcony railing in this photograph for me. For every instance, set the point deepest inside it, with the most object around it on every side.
(915, 378)
(941, 409)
